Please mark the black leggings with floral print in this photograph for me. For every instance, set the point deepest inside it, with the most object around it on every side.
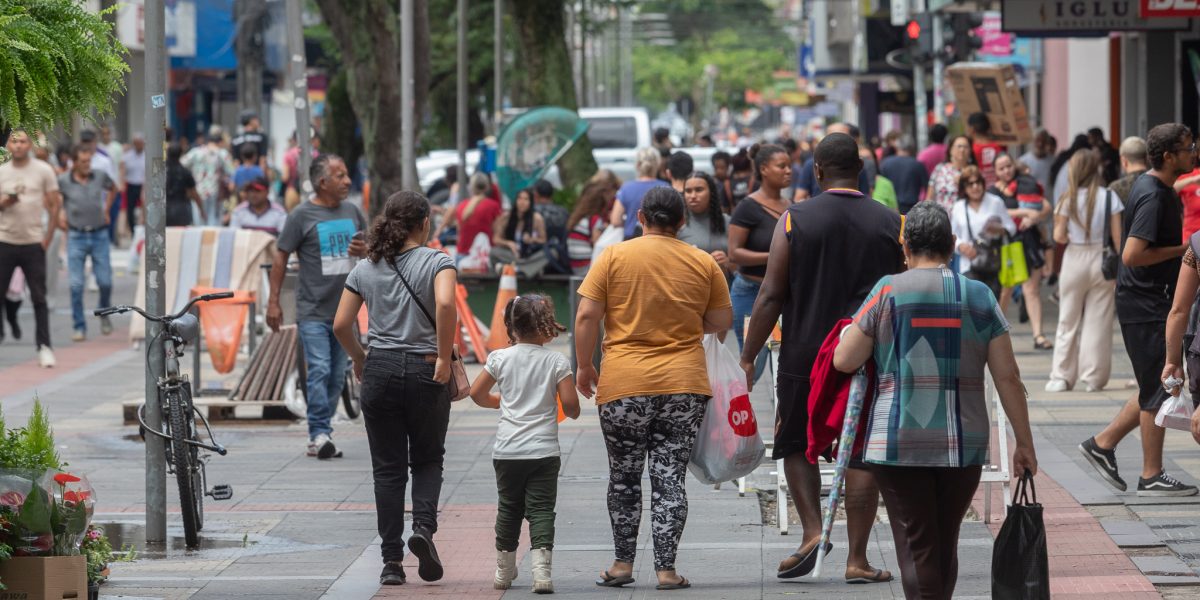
(665, 428)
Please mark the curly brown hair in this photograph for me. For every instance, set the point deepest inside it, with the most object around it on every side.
(403, 213)
(529, 316)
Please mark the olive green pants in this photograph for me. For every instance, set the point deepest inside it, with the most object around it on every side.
(527, 489)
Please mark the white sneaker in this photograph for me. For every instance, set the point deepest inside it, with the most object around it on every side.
(78, 336)
(1057, 385)
(322, 447)
(46, 357)
(1089, 388)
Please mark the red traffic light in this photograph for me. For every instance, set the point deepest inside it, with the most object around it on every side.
(914, 30)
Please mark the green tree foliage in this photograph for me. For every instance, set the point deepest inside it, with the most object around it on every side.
(56, 60)
(663, 74)
(439, 132)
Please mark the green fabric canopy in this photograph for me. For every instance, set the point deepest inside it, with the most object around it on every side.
(531, 143)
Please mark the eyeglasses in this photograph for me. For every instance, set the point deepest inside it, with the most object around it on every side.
(973, 182)
(1191, 149)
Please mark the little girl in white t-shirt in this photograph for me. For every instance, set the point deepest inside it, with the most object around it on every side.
(526, 455)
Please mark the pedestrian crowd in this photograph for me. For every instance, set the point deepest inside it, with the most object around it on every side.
(882, 259)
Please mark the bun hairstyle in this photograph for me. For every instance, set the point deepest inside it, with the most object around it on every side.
(529, 316)
(403, 213)
(762, 154)
(663, 208)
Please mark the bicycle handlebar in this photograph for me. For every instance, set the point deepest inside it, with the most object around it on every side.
(104, 312)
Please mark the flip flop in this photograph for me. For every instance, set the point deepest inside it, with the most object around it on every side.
(607, 580)
(806, 564)
(876, 577)
(682, 585)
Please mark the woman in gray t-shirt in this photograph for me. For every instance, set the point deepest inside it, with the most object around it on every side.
(406, 407)
(707, 226)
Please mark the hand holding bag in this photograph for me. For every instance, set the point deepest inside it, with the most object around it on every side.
(1109, 259)
(1013, 268)
(1176, 412)
(458, 386)
(1020, 563)
(987, 260)
(728, 445)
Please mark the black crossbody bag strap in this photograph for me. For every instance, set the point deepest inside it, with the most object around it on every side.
(414, 296)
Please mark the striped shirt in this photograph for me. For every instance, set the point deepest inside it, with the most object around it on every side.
(931, 328)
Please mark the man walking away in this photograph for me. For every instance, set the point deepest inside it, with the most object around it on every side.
(87, 198)
(935, 152)
(326, 233)
(679, 168)
(1133, 164)
(906, 173)
(1109, 161)
(28, 200)
(1151, 246)
(251, 137)
(826, 255)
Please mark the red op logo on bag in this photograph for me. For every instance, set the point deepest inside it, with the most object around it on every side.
(741, 416)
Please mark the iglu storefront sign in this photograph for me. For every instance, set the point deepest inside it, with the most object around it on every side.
(1084, 17)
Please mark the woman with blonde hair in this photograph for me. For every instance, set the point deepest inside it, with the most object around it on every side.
(1086, 297)
(629, 197)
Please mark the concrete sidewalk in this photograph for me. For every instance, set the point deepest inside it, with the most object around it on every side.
(301, 528)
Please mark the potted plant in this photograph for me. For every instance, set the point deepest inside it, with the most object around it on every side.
(98, 551)
(44, 514)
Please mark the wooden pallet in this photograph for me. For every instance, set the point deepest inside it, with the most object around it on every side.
(214, 409)
(269, 368)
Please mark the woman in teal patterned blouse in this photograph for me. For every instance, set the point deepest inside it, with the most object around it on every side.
(932, 332)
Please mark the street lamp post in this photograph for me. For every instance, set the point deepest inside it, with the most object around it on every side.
(298, 76)
(156, 262)
(408, 174)
(460, 136)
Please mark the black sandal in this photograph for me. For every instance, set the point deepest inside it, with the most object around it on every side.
(807, 562)
(609, 580)
(1041, 343)
(682, 584)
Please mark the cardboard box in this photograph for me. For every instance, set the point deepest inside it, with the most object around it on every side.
(44, 578)
(993, 90)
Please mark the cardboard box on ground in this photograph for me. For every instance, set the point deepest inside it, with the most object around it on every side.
(993, 90)
(44, 578)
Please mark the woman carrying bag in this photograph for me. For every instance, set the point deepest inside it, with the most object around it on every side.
(980, 222)
(1087, 219)
(405, 396)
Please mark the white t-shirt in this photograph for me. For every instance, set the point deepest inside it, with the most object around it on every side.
(1075, 232)
(527, 375)
(991, 206)
(135, 166)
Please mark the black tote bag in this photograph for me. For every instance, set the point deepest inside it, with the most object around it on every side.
(1020, 563)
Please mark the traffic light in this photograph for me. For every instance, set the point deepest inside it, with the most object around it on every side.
(918, 37)
(959, 37)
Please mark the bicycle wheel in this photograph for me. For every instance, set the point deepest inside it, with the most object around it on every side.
(351, 394)
(182, 457)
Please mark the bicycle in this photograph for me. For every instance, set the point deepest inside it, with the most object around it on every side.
(183, 456)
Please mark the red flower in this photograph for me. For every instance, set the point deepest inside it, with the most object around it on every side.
(75, 497)
(65, 478)
(13, 499)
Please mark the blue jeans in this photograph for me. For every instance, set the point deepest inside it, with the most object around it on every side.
(80, 246)
(326, 364)
(742, 294)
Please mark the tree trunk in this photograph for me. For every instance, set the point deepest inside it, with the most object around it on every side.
(250, 54)
(541, 27)
(368, 35)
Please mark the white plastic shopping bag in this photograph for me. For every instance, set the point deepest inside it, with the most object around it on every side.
(728, 445)
(476, 259)
(1176, 412)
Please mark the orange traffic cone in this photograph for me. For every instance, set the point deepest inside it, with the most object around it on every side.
(498, 336)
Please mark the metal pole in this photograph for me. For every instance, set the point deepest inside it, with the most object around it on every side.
(498, 64)
(1035, 101)
(298, 75)
(939, 70)
(409, 178)
(156, 261)
(461, 133)
(919, 102)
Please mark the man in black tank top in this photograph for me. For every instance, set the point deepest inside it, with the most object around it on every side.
(826, 255)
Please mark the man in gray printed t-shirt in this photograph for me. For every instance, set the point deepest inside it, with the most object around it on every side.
(326, 234)
(88, 196)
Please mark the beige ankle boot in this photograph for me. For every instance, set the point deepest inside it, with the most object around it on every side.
(541, 572)
(506, 569)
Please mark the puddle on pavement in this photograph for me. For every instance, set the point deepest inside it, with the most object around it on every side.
(124, 536)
